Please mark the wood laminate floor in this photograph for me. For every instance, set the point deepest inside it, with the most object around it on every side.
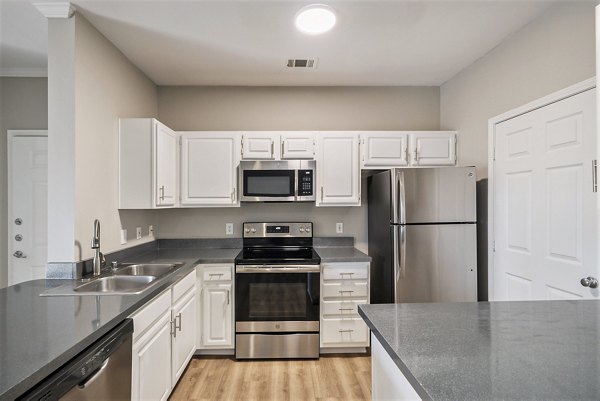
(330, 378)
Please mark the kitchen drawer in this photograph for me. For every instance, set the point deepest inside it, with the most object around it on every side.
(216, 273)
(345, 271)
(183, 286)
(344, 308)
(346, 290)
(343, 332)
(151, 312)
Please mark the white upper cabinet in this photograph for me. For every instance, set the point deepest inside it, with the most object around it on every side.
(209, 162)
(147, 164)
(297, 145)
(384, 149)
(260, 146)
(435, 148)
(338, 169)
(166, 165)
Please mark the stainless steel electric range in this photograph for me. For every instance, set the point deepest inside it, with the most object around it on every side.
(277, 292)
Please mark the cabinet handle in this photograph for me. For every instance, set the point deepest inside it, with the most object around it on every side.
(344, 291)
(233, 195)
(162, 192)
(272, 148)
(282, 146)
(346, 309)
(594, 175)
(178, 317)
(346, 331)
(346, 274)
(417, 154)
(227, 297)
(321, 193)
(215, 274)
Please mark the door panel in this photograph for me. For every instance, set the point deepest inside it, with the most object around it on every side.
(184, 342)
(217, 307)
(261, 146)
(436, 195)
(338, 170)
(166, 159)
(433, 148)
(28, 194)
(440, 264)
(209, 164)
(297, 145)
(389, 149)
(544, 206)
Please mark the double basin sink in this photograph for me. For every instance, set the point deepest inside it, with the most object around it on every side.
(130, 279)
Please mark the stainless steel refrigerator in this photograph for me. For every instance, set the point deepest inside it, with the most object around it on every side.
(423, 235)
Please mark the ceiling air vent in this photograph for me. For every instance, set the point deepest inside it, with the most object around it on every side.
(302, 63)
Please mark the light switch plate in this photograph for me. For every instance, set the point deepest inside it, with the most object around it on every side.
(138, 232)
(228, 228)
(339, 228)
(123, 236)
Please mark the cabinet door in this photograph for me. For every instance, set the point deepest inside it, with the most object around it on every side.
(217, 316)
(433, 148)
(151, 366)
(209, 164)
(384, 149)
(165, 153)
(338, 171)
(184, 338)
(261, 146)
(297, 145)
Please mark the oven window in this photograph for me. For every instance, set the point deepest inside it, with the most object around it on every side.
(269, 183)
(277, 300)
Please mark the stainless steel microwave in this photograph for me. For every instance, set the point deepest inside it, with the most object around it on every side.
(278, 181)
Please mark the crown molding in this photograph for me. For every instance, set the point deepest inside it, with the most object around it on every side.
(56, 9)
(24, 72)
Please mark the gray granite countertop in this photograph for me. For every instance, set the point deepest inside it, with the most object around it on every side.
(341, 254)
(539, 350)
(40, 334)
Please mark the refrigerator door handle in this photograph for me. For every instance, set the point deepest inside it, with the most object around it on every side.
(399, 253)
(401, 200)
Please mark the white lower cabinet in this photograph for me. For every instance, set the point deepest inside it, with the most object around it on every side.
(215, 329)
(388, 382)
(164, 340)
(344, 286)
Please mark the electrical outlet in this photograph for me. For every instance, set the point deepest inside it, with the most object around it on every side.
(150, 230)
(138, 232)
(123, 236)
(339, 228)
(228, 228)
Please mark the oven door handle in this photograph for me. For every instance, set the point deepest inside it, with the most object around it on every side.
(277, 269)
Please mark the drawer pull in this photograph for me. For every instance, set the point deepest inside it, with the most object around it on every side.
(346, 274)
(215, 274)
(346, 331)
(346, 291)
(346, 309)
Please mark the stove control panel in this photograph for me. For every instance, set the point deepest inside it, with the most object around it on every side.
(277, 230)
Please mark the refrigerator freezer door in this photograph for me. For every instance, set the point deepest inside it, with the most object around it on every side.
(437, 195)
(440, 263)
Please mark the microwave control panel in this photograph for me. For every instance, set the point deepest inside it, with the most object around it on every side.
(305, 183)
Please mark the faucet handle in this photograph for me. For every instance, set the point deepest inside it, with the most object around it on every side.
(114, 264)
(102, 259)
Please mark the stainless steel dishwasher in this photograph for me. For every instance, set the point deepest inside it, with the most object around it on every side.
(101, 372)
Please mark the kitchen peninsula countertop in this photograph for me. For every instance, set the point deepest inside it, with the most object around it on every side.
(538, 350)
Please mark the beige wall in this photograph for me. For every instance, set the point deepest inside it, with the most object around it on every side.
(552, 52)
(23, 105)
(288, 108)
(107, 87)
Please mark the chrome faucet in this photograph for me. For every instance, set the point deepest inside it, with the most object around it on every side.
(99, 261)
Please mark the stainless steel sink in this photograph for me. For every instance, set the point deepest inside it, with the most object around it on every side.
(116, 285)
(155, 270)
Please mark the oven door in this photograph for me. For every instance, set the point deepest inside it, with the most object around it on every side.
(277, 299)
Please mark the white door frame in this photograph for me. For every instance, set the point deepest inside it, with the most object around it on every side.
(492, 122)
(10, 134)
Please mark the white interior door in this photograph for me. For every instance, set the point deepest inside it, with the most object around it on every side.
(27, 210)
(544, 203)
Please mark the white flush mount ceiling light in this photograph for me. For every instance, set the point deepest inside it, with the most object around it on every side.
(315, 19)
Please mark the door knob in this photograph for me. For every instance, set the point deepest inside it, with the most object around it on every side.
(589, 282)
(19, 254)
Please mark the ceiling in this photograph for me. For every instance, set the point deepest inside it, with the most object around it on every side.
(414, 42)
